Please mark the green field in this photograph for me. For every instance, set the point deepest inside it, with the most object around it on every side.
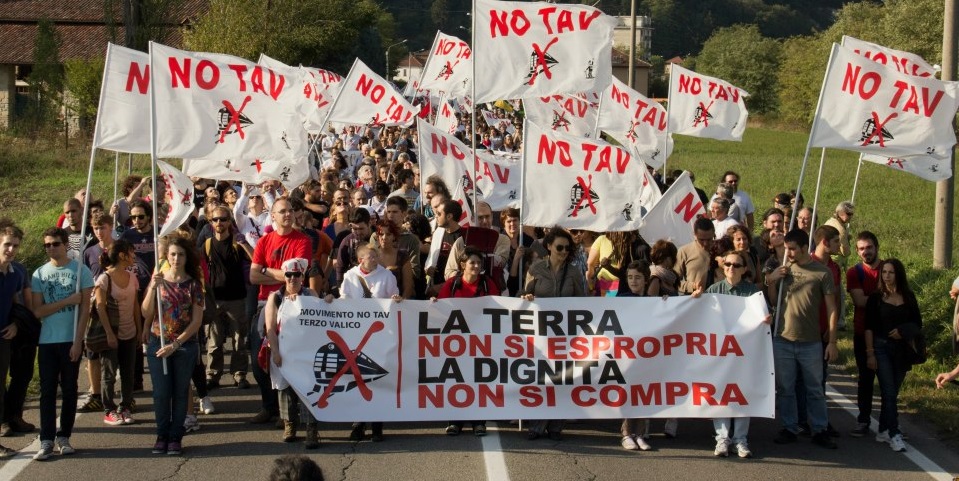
(37, 177)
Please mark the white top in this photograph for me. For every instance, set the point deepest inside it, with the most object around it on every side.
(381, 281)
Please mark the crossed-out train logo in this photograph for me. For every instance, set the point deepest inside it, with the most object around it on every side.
(874, 130)
(560, 121)
(447, 70)
(335, 359)
(582, 193)
(540, 62)
(232, 120)
(702, 115)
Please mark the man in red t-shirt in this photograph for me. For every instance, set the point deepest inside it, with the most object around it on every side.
(862, 280)
(272, 250)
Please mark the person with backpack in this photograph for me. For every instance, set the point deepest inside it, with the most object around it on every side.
(470, 281)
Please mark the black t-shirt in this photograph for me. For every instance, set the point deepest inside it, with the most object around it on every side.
(449, 238)
(225, 262)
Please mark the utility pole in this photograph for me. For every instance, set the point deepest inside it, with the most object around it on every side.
(945, 189)
(631, 78)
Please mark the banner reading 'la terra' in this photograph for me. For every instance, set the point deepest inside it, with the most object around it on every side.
(507, 358)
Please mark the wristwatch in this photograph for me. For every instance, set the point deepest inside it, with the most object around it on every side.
(263, 270)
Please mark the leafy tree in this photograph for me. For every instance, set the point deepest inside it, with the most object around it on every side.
(742, 56)
(800, 77)
(46, 78)
(83, 78)
(921, 34)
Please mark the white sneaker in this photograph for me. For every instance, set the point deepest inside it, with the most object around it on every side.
(46, 450)
(672, 425)
(190, 423)
(64, 446)
(643, 445)
(897, 444)
(742, 450)
(206, 405)
(882, 437)
(722, 448)
(629, 443)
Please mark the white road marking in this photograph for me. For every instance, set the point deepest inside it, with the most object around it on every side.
(492, 456)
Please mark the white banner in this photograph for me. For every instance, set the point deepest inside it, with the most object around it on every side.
(446, 120)
(570, 114)
(507, 358)
(579, 183)
(449, 66)
(497, 175)
(651, 193)
(214, 106)
(926, 167)
(673, 216)
(505, 126)
(870, 108)
(635, 121)
(177, 198)
(529, 49)
(316, 90)
(256, 171)
(367, 99)
(904, 62)
(123, 124)
(703, 106)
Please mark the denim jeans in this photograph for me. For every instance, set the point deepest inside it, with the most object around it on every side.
(170, 390)
(56, 369)
(268, 395)
(740, 429)
(891, 373)
(866, 382)
(792, 358)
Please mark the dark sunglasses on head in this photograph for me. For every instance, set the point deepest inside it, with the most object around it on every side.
(219, 219)
(731, 264)
(561, 247)
(48, 245)
(293, 275)
(138, 217)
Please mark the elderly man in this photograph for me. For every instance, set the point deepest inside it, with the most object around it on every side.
(740, 198)
(693, 261)
(719, 210)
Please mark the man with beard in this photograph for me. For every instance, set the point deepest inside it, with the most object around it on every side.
(862, 280)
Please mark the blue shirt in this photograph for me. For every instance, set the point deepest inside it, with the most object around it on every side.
(11, 284)
(55, 284)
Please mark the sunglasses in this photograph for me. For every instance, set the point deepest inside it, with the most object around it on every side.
(138, 217)
(293, 275)
(217, 220)
(560, 247)
(48, 245)
(731, 264)
(256, 196)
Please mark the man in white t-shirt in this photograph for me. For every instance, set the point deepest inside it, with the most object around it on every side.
(740, 197)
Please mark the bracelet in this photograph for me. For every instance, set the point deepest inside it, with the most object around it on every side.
(177, 342)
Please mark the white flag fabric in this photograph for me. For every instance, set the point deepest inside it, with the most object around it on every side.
(904, 62)
(122, 121)
(635, 121)
(255, 171)
(378, 360)
(214, 106)
(503, 125)
(703, 106)
(449, 66)
(177, 198)
(497, 176)
(530, 49)
(926, 167)
(316, 88)
(672, 218)
(870, 108)
(651, 193)
(570, 114)
(446, 120)
(579, 183)
(368, 99)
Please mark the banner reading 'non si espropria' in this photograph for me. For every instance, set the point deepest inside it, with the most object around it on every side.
(507, 358)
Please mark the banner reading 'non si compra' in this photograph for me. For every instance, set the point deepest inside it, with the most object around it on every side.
(507, 358)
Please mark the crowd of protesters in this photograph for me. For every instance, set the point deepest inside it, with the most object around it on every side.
(362, 228)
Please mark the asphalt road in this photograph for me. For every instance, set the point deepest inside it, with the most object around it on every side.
(228, 448)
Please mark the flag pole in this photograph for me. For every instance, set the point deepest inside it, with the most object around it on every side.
(116, 182)
(599, 109)
(153, 197)
(815, 202)
(669, 109)
(855, 183)
(802, 174)
(473, 110)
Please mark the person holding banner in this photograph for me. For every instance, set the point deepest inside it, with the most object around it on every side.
(637, 281)
(471, 281)
(740, 238)
(553, 276)
(173, 358)
(294, 271)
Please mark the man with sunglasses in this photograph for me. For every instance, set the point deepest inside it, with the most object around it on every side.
(226, 258)
(56, 302)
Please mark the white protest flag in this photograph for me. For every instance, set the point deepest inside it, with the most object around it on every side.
(905, 62)
(214, 106)
(635, 121)
(570, 114)
(498, 178)
(449, 66)
(368, 99)
(673, 216)
(322, 87)
(377, 360)
(870, 108)
(703, 106)
(123, 122)
(462, 192)
(252, 171)
(503, 125)
(529, 49)
(651, 193)
(579, 183)
(446, 120)
(177, 198)
(927, 167)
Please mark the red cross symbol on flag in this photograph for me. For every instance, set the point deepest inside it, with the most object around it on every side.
(541, 62)
(897, 162)
(585, 196)
(350, 365)
(877, 129)
(234, 119)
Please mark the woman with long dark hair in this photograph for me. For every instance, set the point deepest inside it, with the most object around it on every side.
(892, 321)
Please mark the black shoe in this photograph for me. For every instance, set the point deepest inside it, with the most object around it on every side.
(555, 435)
(243, 384)
(831, 431)
(823, 439)
(453, 430)
(804, 429)
(785, 436)
(532, 435)
(212, 383)
(358, 433)
(479, 430)
(377, 435)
